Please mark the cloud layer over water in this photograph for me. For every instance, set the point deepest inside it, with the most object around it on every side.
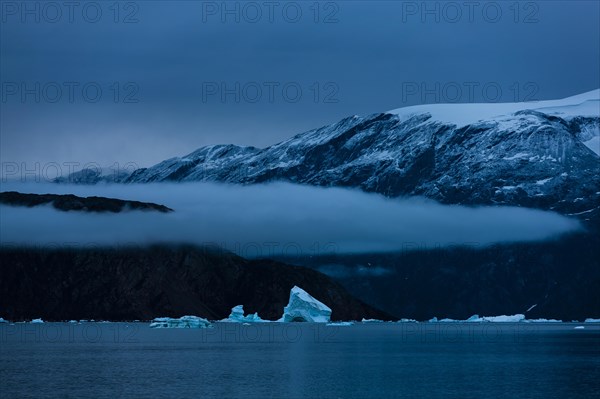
(280, 219)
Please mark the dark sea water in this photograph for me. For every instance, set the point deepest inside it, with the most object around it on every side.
(379, 360)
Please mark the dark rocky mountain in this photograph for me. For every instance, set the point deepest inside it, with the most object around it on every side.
(561, 278)
(143, 283)
(69, 202)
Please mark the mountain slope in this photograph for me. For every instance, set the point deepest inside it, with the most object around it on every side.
(540, 155)
(560, 277)
(143, 283)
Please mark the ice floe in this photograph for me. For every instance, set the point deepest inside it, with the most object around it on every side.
(476, 319)
(182, 322)
(340, 323)
(542, 321)
(517, 318)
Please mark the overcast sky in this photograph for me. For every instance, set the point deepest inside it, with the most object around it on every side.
(162, 74)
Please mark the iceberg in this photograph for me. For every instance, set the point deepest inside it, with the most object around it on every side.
(371, 321)
(237, 316)
(592, 320)
(302, 307)
(182, 322)
(3, 321)
(37, 321)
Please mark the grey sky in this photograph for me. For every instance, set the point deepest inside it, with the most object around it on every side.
(178, 55)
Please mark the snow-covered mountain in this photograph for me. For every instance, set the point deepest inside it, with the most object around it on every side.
(538, 154)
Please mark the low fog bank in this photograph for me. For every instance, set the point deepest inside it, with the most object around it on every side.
(271, 219)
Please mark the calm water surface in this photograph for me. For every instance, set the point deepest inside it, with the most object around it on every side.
(380, 360)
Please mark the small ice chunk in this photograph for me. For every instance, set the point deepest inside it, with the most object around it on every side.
(433, 320)
(341, 323)
(504, 318)
(182, 322)
(579, 328)
(3, 321)
(37, 321)
(371, 321)
(497, 319)
(237, 316)
(302, 307)
(543, 321)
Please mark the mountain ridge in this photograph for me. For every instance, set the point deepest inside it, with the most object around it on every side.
(539, 155)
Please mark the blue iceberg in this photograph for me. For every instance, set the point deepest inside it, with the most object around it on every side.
(237, 316)
(302, 307)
